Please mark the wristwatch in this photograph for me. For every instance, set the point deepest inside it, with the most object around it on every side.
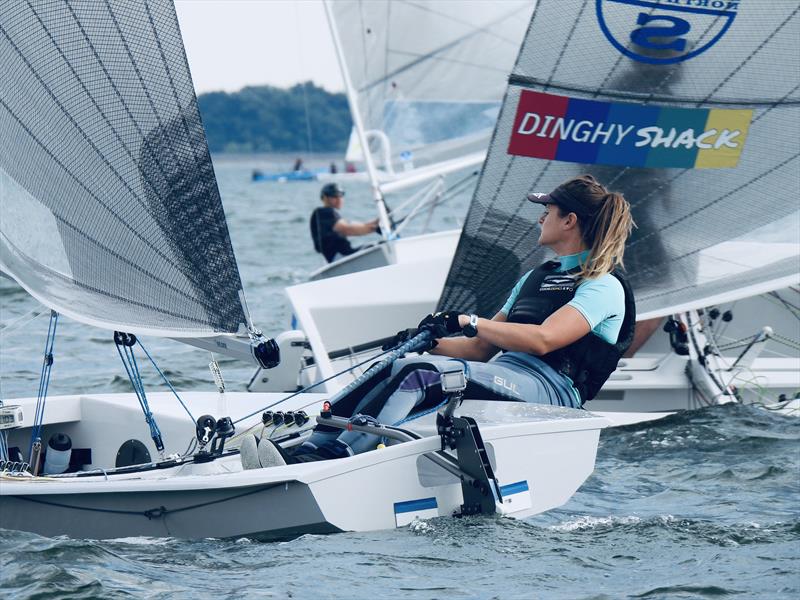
(471, 328)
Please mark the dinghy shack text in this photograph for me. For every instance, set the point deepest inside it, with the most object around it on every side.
(633, 135)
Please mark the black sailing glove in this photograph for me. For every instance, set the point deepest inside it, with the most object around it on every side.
(441, 324)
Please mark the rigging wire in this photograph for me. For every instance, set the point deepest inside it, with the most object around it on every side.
(44, 383)
(167, 381)
(125, 348)
(794, 310)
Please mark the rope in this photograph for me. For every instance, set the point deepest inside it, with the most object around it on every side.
(786, 341)
(44, 381)
(774, 296)
(735, 344)
(128, 358)
(313, 385)
(416, 343)
(776, 337)
(167, 381)
(3, 442)
(152, 513)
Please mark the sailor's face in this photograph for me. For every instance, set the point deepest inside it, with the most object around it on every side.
(551, 225)
(335, 201)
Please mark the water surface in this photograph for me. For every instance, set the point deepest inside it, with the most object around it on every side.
(699, 505)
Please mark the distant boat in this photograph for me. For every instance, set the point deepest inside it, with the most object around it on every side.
(317, 175)
(302, 175)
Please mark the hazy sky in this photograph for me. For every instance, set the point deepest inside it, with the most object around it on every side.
(234, 43)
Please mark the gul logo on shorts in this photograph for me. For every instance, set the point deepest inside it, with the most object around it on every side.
(635, 135)
(506, 384)
(665, 31)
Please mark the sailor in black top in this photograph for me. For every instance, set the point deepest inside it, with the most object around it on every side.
(329, 230)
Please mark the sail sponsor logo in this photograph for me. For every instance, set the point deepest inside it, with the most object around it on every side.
(665, 31)
(635, 135)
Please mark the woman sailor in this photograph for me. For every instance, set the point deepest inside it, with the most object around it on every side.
(561, 332)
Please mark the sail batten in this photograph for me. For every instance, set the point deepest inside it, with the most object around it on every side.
(698, 128)
(102, 142)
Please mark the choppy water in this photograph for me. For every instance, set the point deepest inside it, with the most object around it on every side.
(700, 505)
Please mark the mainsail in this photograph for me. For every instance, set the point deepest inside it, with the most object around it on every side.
(428, 76)
(690, 108)
(110, 209)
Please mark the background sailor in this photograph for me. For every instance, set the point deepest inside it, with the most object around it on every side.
(329, 230)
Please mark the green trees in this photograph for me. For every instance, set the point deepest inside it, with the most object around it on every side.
(269, 119)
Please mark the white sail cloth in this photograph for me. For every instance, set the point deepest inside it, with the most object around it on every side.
(429, 76)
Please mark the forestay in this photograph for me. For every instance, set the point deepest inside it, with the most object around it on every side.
(429, 76)
(110, 209)
(691, 108)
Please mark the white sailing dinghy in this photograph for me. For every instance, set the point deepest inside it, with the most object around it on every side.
(423, 106)
(111, 216)
(718, 227)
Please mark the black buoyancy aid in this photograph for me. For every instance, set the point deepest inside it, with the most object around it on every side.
(589, 361)
(328, 241)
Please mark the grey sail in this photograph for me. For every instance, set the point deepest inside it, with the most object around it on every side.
(110, 209)
(690, 108)
(430, 75)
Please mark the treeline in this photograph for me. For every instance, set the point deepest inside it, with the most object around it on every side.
(270, 119)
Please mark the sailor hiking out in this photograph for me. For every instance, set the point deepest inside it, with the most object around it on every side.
(329, 230)
(561, 332)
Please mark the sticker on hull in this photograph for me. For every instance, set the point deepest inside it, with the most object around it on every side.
(406, 512)
(516, 496)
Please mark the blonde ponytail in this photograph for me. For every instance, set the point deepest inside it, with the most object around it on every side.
(606, 235)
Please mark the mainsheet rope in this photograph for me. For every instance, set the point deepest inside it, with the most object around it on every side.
(313, 385)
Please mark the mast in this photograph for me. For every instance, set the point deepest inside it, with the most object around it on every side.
(383, 215)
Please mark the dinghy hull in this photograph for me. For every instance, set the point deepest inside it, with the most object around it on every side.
(540, 456)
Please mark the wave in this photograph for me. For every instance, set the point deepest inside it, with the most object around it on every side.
(687, 529)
